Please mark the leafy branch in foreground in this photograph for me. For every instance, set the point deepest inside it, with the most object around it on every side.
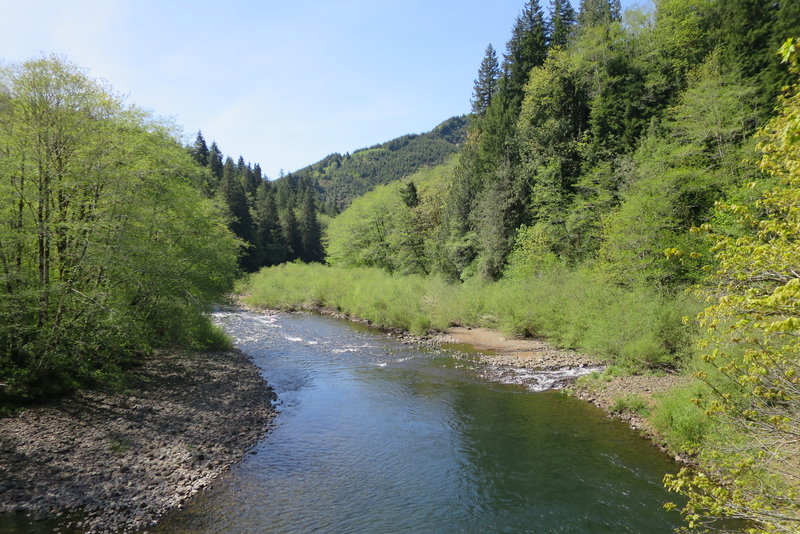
(753, 341)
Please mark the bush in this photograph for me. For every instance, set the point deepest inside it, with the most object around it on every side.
(632, 403)
(679, 419)
(636, 329)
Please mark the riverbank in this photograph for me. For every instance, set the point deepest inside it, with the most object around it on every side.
(123, 459)
(521, 361)
(502, 356)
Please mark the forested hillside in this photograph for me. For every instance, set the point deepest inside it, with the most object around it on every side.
(621, 172)
(340, 179)
(276, 221)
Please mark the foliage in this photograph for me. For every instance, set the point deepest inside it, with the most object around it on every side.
(637, 330)
(696, 157)
(107, 246)
(752, 326)
(388, 226)
(632, 403)
(485, 84)
(680, 420)
(341, 178)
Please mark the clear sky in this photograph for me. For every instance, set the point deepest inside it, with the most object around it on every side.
(283, 83)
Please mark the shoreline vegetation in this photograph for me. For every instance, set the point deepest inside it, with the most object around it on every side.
(116, 460)
(629, 393)
(627, 397)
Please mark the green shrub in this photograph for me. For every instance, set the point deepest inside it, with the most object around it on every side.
(679, 419)
(637, 329)
(632, 403)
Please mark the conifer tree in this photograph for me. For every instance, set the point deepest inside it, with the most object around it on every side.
(215, 161)
(199, 150)
(486, 83)
(268, 229)
(599, 12)
(409, 195)
(291, 234)
(562, 22)
(253, 179)
(526, 49)
(310, 231)
(232, 192)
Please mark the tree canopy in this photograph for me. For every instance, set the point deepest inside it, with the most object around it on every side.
(107, 245)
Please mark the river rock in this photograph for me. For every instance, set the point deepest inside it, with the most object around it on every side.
(125, 458)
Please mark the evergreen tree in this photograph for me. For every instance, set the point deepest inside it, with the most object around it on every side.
(550, 132)
(562, 22)
(252, 179)
(409, 195)
(486, 83)
(599, 12)
(269, 236)
(291, 234)
(199, 150)
(232, 192)
(310, 231)
(215, 161)
(526, 49)
(241, 166)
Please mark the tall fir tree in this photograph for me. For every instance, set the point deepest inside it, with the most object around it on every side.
(486, 83)
(232, 192)
(268, 229)
(526, 49)
(599, 12)
(291, 234)
(199, 150)
(310, 231)
(562, 23)
(215, 161)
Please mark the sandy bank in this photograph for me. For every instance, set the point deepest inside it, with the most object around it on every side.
(534, 354)
(125, 458)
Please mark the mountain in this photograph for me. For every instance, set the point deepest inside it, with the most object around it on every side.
(340, 178)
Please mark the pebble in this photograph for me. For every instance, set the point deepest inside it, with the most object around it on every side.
(108, 454)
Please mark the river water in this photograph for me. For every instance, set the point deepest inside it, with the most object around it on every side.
(375, 436)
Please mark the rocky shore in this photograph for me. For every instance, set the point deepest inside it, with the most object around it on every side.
(123, 459)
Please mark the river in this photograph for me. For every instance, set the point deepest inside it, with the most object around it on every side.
(376, 436)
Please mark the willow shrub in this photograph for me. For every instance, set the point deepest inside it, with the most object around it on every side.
(680, 420)
(408, 302)
(638, 328)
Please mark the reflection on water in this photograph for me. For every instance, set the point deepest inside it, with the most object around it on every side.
(375, 436)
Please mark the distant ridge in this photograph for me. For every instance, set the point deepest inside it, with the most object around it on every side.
(341, 178)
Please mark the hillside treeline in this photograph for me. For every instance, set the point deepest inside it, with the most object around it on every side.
(277, 221)
(343, 178)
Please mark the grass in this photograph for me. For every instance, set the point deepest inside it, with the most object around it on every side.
(634, 329)
(632, 403)
(682, 422)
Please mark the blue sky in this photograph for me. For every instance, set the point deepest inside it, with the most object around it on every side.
(281, 83)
